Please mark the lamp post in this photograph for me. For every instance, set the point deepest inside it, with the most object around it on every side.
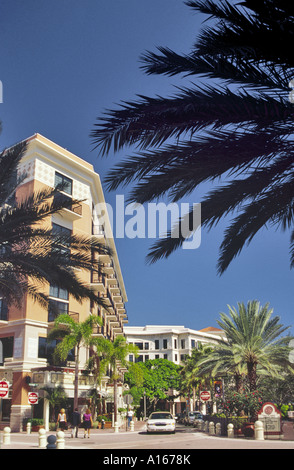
(144, 405)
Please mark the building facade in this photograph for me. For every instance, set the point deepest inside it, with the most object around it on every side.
(168, 342)
(173, 343)
(25, 353)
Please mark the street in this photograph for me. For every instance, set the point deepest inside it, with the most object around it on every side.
(184, 440)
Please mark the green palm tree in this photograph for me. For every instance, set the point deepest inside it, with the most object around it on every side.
(31, 255)
(254, 344)
(73, 335)
(236, 128)
(191, 379)
(116, 356)
(56, 397)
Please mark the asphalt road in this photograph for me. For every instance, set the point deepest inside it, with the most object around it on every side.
(184, 440)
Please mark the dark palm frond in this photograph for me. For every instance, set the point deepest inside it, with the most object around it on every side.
(155, 120)
(237, 129)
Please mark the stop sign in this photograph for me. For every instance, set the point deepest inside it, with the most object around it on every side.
(33, 398)
(4, 388)
(205, 395)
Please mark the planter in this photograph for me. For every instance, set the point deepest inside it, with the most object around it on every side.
(238, 432)
(248, 429)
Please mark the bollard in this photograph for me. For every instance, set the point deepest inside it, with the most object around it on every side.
(51, 442)
(102, 423)
(211, 428)
(42, 438)
(60, 440)
(132, 426)
(6, 435)
(258, 431)
(115, 427)
(231, 430)
(29, 427)
(202, 428)
(218, 429)
(206, 426)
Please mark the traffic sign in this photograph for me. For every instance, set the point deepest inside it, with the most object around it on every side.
(204, 395)
(4, 389)
(33, 398)
(128, 399)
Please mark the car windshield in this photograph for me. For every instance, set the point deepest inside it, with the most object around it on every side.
(160, 416)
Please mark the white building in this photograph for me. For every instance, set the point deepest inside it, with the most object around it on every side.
(168, 342)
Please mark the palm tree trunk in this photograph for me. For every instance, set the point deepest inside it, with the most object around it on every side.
(251, 368)
(238, 382)
(76, 385)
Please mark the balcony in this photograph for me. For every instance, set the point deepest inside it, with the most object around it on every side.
(98, 232)
(97, 282)
(111, 281)
(73, 210)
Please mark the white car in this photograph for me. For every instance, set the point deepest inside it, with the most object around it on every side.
(161, 421)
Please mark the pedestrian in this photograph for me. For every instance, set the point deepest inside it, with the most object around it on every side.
(61, 420)
(130, 417)
(75, 421)
(87, 422)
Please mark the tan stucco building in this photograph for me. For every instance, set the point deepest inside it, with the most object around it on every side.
(24, 354)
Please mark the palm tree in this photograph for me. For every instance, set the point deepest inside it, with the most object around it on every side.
(56, 397)
(31, 254)
(116, 357)
(191, 379)
(73, 335)
(237, 127)
(253, 344)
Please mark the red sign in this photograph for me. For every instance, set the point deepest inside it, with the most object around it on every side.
(4, 388)
(33, 398)
(205, 395)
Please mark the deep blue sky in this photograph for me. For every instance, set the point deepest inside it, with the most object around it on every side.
(62, 63)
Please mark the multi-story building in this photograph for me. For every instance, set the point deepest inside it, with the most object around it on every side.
(173, 343)
(24, 351)
(168, 342)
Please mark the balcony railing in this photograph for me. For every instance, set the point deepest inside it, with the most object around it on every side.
(70, 205)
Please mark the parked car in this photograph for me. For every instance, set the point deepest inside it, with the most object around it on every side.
(198, 419)
(191, 416)
(161, 421)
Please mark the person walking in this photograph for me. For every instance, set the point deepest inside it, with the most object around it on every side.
(130, 417)
(61, 420)
(75, 421)
(87, 422)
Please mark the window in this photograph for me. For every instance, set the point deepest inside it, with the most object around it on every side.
(156, 356)
(64, 182)
(3, 310)
(165, 356)
(182, 344)
(56, 308)
(131, 358)
(193, 343)
(6, 348)
(146, 357)
(157, 344)
(63, 248)
(146, 346)
(46, 350)
(175, 344)
(183, 357)
(139, 359)
(176, 357)
(139, 345)
(58, 292)
(165, 344)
